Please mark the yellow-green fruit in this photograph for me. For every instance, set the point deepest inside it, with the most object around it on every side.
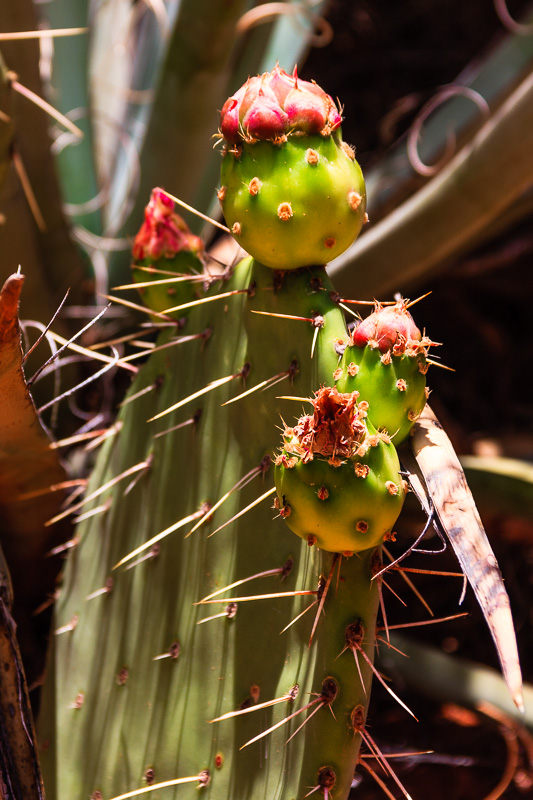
(297, 203)
(346, 508)
(337, 480)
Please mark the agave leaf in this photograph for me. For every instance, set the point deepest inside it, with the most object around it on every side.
(455, 209)
(501, 485)
(47, 255)
(438, 469)
(451, 679)
(20, 773)
(27, 465)
(493, 77)
(6, 128)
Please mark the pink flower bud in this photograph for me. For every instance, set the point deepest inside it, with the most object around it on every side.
(265, 118)
(163, 232)
(388, 327)
(274, 104)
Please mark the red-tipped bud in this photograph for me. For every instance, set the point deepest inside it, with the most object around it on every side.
(265, 119)
(163, 232)
(388, 328)
(307, 112)
(276, 104)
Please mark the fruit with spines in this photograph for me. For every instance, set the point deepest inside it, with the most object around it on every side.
(291, 191)
(165, 248)
(337, 480)
(386, 362)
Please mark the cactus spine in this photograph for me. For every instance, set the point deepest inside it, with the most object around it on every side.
(158, 641)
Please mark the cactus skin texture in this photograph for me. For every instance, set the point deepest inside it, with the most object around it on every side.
(165, 244)
(119, 712)
(146, 658)
(291, 190)
(386, 362)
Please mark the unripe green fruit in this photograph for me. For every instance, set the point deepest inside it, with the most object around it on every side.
(394, 386)
(337, 480)
(297, 203)
(345, 508)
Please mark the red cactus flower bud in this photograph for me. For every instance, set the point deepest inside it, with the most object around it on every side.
(163, 232)
(276, 104)
(388, 327)
(265, 119)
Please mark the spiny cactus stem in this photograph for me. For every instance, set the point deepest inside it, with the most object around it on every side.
(355, 645)
(289, 697)
(179, 340)
(142, 392)
(157, 538)
(203, 780)
(270, 596)
(140, 467)
(202, 300)
(326, 697)
(261, 469)
(420, 623)
(266, 384)
(323, 594)
(97, 510)
(191, 421)
(316, 321)
(164, 281)
(209, 388)
(137, 307)
(284, 571)
(245, 510)
(359, 727)
(313, 604)
(419, 571)
(228, 613)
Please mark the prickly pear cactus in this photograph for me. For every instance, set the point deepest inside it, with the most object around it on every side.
(163, 246)
(191, 647)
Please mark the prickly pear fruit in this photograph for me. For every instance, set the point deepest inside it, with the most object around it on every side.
(337, 479)
(164, 244)
(385, 361)
(291, 190)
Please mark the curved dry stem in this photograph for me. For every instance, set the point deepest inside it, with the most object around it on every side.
(268, 11)
(441, 97)
(519, 28)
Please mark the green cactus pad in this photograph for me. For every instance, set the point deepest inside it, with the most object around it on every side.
(136, 676)
(294, 204)
(163, 294)
(337, 480)
(393, 386)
